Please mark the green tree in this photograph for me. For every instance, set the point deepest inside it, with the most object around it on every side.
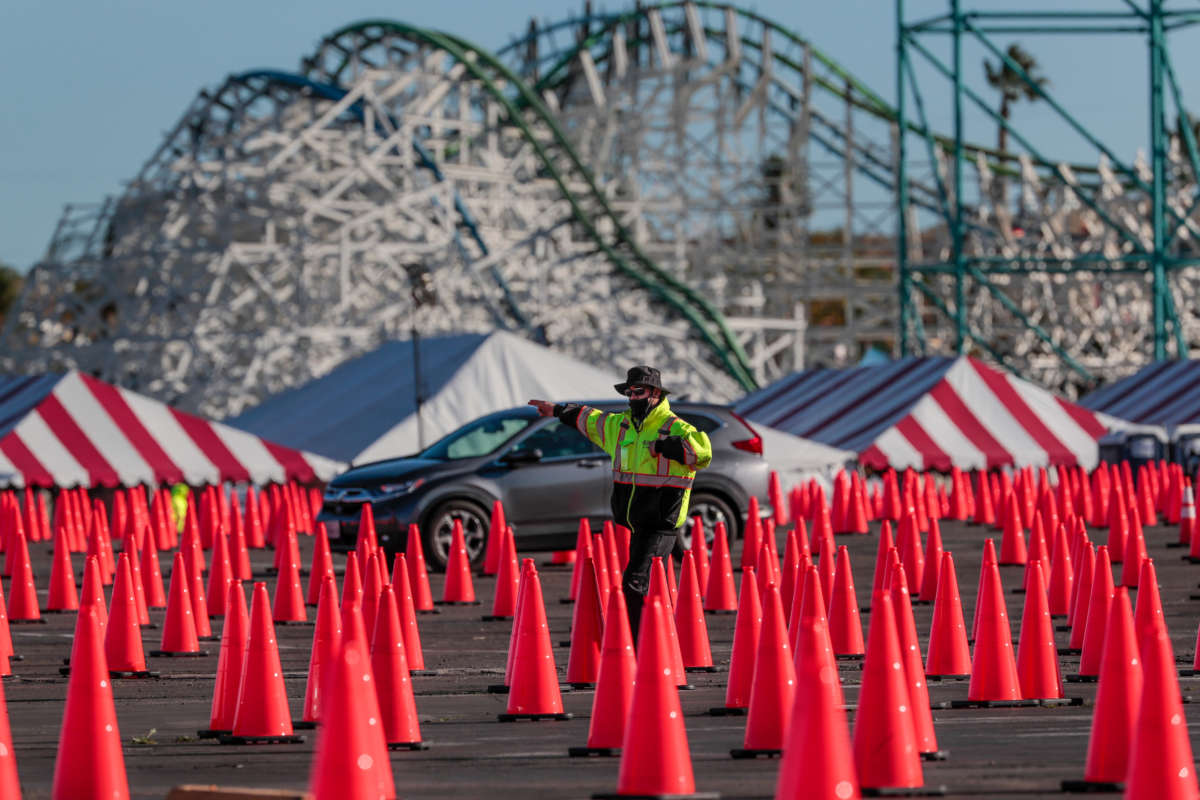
(11, 282)
(1013, 86)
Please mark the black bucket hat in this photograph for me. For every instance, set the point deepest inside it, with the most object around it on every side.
(641, 375)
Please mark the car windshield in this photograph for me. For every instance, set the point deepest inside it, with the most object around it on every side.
(477, 438)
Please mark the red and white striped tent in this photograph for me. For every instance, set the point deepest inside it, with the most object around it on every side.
(932, 413)
(73, 430)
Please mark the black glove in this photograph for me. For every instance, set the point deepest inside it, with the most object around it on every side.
(669, 447)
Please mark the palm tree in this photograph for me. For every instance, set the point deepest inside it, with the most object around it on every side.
(1012, 86)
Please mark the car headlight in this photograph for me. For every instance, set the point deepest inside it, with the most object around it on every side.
(389, 490)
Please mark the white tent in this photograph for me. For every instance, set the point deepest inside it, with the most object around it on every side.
(365, 409)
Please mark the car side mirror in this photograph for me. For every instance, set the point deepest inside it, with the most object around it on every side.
(522, 457)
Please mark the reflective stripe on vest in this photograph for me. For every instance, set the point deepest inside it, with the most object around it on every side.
(675, 481)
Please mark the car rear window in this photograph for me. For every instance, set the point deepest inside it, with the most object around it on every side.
(702, 422)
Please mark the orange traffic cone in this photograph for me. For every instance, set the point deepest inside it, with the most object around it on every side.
(614, 684)
(845, 627)
(322, 565)
(408, 617)
(746, 632)
(10, 785)
(1012, 545)
(289, 597)
(587, 626)
(239, 554)
(583, 547)
(1118, 697)
(496, 529)
(774, 686)
(89, 761)
(152, 582)
(1161, 766)
(235, 628)
(63, 595)
(418, 576)
(139, 588)
(123, 635)
(932, 564)
(818, 760)
(1099, 607)
(1037, 656)
(262, 715)
(994, 680)
(914, 670)
(885, 742)
(659, 587)
(327, 643)
(93, 591)
(1135, 551)
(22, 591)
(812, 648)
(372, 586)
(700, 550)
(948, 655)
(1080, 597)
(1149, 608)
(393, 686)
(351, 757)
(198, 598)
(458, 589)
(908, 543)
(881, 553)
(826, 561)
(220, 575)
(533, 690)
(720, 596)
(655, 759)
(751, 534)
(508, 578)
(1062, 576)
(179, 627)
(689, 621)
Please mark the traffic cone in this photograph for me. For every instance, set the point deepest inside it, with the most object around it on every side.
(774, 685)
(239, 553)
(418, 576)
(583, 547)
(6, 645)
(948, 655)
(604, 578)
(22, 591)
(881, 553)
(235, 628)
(826, 566)
(689, 620)
(587, 626)
(1135, 551)
(1149, 608)
(914, 670)
(508, 579)
(1012, 544)
(720, 596)
(1161, 765)
(10, 785)
(63, 595)
(393, 685)
(152, 582)
(932, 564)
(845, 627)
(885, 743)
(659, 588)
(367, 542)
(699, 549)
(1118, 696)
(1037, 656)
(262, 715)
(1099, 607)
(219, 576)
(321, 565)
(198, 598)
(1118, 525)
(746, 631)
(908, 543)
(90, 763)
(614, 684)
(818, 759)
(458, 589)
(994, 679)
(751, 533)
(289, 597)
(139, 589)
(179, 628)
(327, 643)
(496, 529)
(93, 591)
(351, 758)
(655, 760)
(1062, 576)
(790, 574)
(1187, 518)
(123, 634)
(372, 586)
(533, 688)
(408, 616)
(352, 588)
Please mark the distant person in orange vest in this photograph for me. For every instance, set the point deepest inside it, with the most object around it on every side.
(655, 455)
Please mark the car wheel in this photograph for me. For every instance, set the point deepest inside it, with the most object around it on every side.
(438, 528)
(711, 509)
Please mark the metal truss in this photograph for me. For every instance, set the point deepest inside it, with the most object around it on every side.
(1072, 273)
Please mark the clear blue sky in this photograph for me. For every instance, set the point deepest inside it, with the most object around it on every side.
(90, 87)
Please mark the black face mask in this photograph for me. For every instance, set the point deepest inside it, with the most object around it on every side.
(640, 407)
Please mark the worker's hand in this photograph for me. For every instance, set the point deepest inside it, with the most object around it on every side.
(544, 409)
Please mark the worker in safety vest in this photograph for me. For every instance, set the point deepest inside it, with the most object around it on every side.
(655, 457)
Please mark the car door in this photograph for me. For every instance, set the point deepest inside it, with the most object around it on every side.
(572, 478)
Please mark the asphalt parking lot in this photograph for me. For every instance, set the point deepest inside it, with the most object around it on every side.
(992, 752)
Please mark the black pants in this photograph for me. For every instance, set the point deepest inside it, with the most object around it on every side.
(643, 547)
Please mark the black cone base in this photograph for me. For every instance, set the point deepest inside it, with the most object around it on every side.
(935, 755)
(1092, 787)
(533, 717)
(497, 688)
(696, 796)
(739, 752)
(1077, 678)
(992, 704)
(301, 725)
(231, 739)
(407, 746)
(189, 654)
(726, 711)
(211, 734)
(916, 791)
(594, 752)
